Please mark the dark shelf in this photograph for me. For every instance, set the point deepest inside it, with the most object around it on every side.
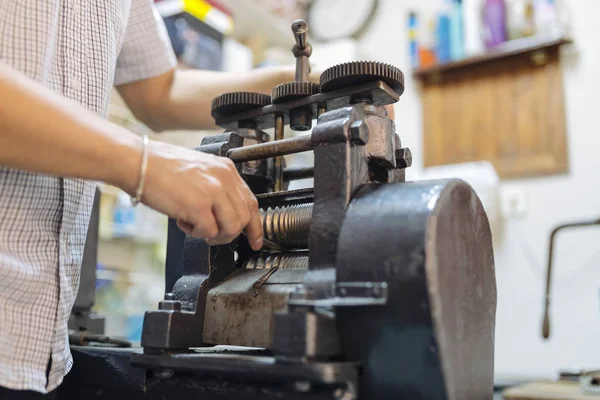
(505, 50)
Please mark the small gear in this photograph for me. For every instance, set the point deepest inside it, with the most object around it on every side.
(357, 72)
(293, 90)
(235, 102)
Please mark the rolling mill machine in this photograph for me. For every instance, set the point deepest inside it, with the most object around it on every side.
(368, 286)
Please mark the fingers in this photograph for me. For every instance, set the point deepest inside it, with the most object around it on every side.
(228, 222)
(255, 232)
(204, 226)
(238, 201)
(254, 228)
(227, 207)
(186, 227)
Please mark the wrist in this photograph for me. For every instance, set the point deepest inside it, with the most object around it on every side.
(125, 163)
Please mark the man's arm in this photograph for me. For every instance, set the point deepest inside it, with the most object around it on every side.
(43, 132)
(182, 99)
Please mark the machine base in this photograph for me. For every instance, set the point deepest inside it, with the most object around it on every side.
(216, 373)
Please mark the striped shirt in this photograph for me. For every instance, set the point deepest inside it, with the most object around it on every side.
(79, 49)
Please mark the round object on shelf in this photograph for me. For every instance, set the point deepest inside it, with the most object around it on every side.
(337, 19)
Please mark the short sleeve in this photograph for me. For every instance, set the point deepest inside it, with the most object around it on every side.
(146, 50)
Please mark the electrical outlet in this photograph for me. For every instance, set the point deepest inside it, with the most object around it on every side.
(513, 203)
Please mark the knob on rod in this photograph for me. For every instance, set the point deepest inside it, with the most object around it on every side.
(302, 50)
(299, 27)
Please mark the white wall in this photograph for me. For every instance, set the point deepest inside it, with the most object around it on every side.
(521, 247)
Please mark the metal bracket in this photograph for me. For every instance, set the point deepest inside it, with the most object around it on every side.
(346, 294)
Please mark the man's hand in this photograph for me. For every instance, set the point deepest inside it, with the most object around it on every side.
(203, 192)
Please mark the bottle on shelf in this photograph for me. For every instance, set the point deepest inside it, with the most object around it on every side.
(520, 19)
(547, 21)
(457, 48)
(494, 23)
(427, 43)
(473, 27)
(413, 39)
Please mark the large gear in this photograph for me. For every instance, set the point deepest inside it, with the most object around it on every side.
(357, 72)
(235, 102)
(293, 90)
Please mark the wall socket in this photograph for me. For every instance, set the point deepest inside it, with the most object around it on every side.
(513, 203)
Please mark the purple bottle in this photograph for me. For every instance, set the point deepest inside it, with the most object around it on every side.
(494, 23)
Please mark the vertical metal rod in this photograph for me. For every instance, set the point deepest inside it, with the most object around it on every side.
(321, 109)
(279, 160)
(302, 68)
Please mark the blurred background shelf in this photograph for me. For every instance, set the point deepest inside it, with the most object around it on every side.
(528, 45)
(252, 17)
(249, 17)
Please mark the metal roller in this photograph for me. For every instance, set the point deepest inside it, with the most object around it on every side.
(278, 260)
(288, 226)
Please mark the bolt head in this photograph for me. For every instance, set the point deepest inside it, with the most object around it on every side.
(403, 158)
(359, 133)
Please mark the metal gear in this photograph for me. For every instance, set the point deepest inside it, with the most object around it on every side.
(357, 72)
(293, 90)
(234, 102)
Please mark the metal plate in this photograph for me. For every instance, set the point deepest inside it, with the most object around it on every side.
(239, 314)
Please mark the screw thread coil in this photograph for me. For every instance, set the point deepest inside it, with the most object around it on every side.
(288, 226)
(279, 260)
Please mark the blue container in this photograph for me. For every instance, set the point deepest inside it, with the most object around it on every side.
(443, 39)
(413, 43)
(457, 48)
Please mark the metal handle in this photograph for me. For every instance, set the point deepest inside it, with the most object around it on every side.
(302, 50)
(546, 321)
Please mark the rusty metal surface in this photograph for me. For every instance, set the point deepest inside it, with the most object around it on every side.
(239, 314)
(278, 170)
(271, 149)
(431, 243)
(381, 145)
(342, 168)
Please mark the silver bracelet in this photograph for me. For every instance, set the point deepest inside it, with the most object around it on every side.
(144, 167)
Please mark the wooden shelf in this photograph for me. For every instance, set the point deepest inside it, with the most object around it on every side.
(507, 49)
(506, 107)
